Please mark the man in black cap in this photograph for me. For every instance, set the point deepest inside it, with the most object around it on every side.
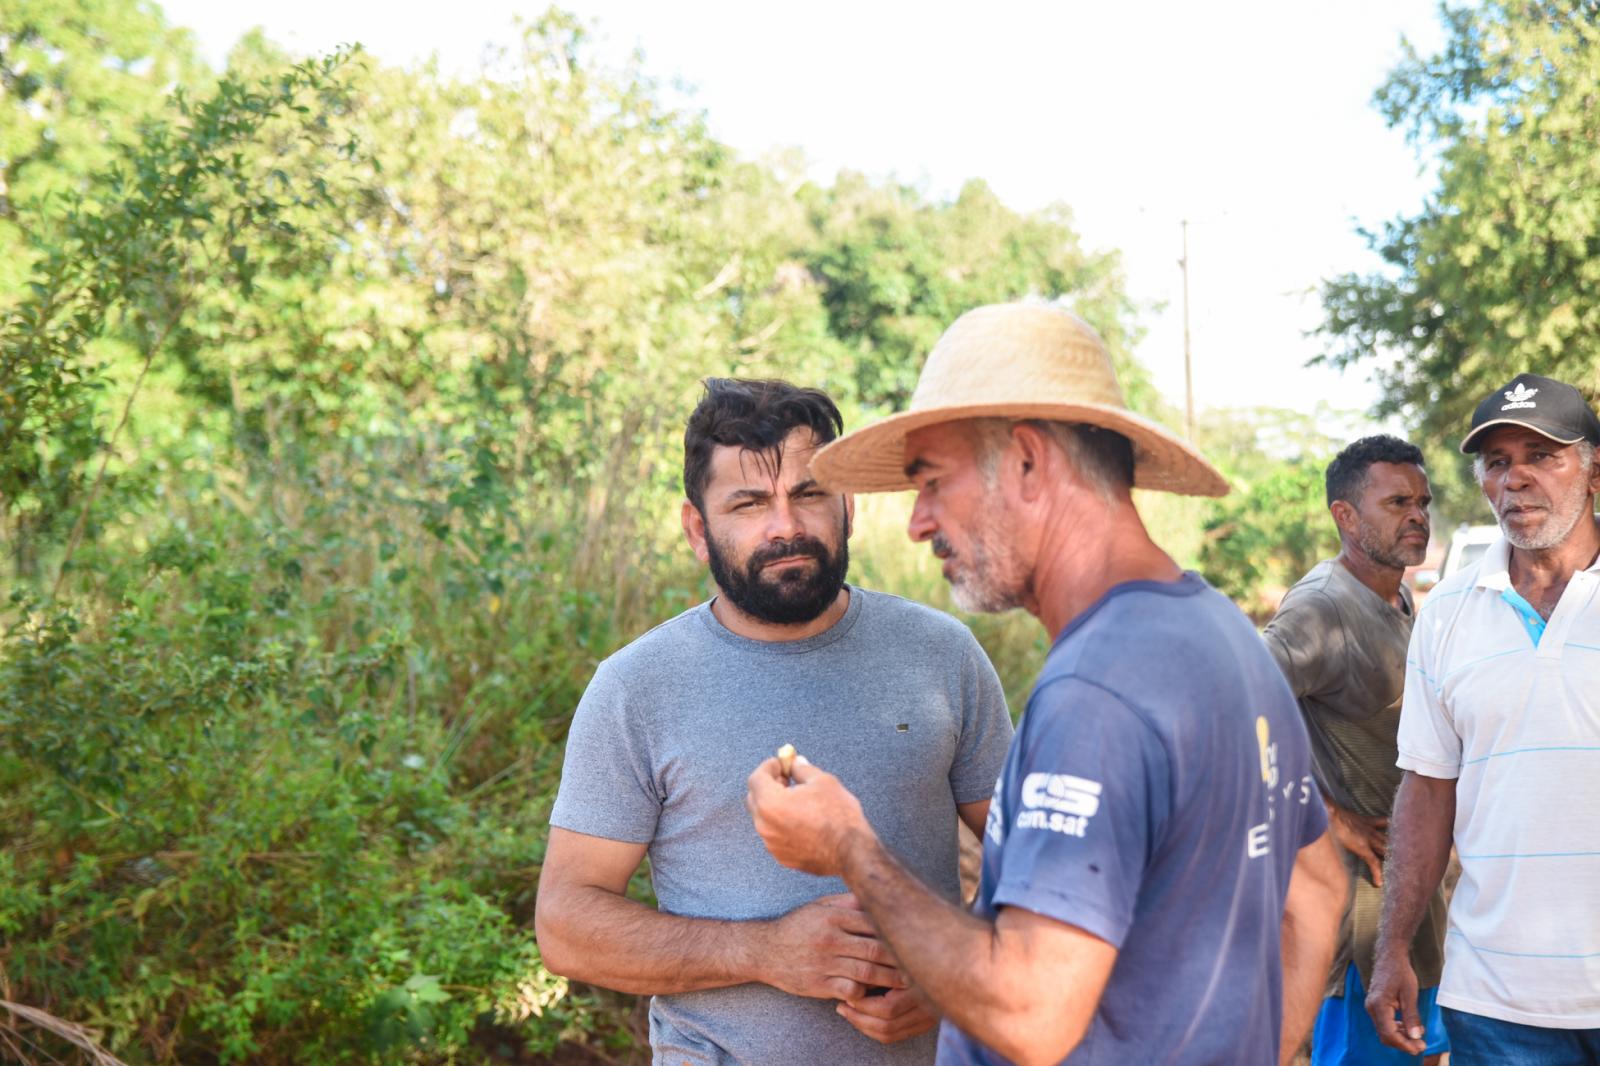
(1500, 741)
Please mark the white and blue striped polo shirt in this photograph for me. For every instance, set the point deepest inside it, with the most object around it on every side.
(1511, 711)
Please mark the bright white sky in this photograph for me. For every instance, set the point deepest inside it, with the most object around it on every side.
(1251, 119)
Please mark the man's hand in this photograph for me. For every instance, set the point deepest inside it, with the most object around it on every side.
(889, 1018)
(1365, 838)
(1394, 988)
(1424, 811)
(828, 949)
(805, 826)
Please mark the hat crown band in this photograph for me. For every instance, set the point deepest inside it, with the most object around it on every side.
(1015, 361)
(1046, 361)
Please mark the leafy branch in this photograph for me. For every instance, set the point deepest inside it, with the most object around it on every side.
(182, 205)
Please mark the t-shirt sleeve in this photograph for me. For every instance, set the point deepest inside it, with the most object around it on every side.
(1306, 638)
(607, 787)
(1095, 790)
(1428, 742)
(985, 728)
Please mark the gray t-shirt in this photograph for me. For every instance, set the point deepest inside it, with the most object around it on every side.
(896, 699)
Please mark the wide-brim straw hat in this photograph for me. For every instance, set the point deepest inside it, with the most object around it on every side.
(1016, 361)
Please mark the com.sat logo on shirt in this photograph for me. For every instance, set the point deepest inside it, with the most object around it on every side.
(1061, 803)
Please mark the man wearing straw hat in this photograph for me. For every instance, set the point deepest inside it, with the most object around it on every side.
(1158, 885)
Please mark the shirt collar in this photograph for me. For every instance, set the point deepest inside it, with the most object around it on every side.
(1494, 566)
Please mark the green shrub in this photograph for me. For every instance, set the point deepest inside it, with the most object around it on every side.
(277, 792)
(1260, 541)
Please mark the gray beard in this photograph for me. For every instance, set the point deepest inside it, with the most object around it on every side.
(1562, 520)
(987, 586)
(976, 595)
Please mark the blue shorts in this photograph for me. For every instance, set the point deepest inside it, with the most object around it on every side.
(1344, 1034)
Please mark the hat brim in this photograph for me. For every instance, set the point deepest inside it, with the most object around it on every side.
(1470, 443)
(872, 459)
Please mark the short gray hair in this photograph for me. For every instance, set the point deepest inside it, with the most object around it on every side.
(1585, 458)
(1103, 457)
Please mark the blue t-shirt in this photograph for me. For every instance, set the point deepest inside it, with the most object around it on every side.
(1156, 795)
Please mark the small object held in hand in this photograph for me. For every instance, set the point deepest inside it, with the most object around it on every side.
(786, 760)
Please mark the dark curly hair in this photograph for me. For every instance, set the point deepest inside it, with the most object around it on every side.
(755, 415)
(1347, 474)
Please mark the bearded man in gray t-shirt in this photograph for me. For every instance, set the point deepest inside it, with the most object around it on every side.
(1340, 637)
(750, 962)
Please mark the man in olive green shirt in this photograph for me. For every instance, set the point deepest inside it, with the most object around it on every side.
(1340, 637)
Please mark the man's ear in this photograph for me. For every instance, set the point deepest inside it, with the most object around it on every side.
(694, 530)
(849, 514)
(1028, 454)
(1345, 517)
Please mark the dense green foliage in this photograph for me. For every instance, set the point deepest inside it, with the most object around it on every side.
(1275, 525)
(77, 76)
(1499, 271)
(1265, 538)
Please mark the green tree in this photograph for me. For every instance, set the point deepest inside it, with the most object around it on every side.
(1266, 536)
(181, 208)
(896, 270)
(76, 77)
(1499, 272)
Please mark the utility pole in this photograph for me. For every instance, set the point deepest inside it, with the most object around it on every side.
(1188, 369)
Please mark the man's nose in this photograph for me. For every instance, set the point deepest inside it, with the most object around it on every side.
(922, 526)
(784, 519)
(1518, 475)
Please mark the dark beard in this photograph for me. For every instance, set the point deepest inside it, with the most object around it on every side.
(790, 598)
(1390, 556)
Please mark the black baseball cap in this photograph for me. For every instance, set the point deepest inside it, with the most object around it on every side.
(1544, 405)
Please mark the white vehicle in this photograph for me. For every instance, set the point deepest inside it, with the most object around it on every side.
(1467, 545)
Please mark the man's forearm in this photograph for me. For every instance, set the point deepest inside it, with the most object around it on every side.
(1312, 913)
(954, 958)
(1419, 849)
(609, 940)
(932, 939)
(1026, 985)
(1306, 958)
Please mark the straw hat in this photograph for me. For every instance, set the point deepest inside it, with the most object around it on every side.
(1015, 361)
